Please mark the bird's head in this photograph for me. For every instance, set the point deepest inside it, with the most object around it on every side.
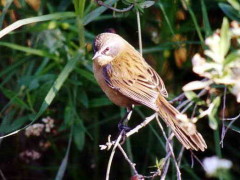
(107, 46)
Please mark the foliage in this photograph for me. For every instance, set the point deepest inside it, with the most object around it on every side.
(46, 71)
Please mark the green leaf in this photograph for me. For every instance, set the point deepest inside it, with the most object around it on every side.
(22, 22)
(191, 95)
(232, 57)
(212, 115)
(14, 99)
(97, 12)
(52, 92)
(88, 75)
(99, 102)
(225, 38)
(79, 134)
(207, 27)
(4, 11)
(83, 98)
(230, 11)
(63, 166)
(68, 114)
(29, 50)
(235, 4)
(146, 4)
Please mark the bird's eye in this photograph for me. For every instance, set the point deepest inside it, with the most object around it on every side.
(105, 50)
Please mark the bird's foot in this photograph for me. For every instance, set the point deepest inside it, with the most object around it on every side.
(123, 129)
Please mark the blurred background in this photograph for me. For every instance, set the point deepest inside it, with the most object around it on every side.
(46, 79)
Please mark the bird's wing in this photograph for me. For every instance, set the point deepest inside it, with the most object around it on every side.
(137, 80)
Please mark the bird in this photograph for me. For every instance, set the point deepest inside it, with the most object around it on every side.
(128, 80)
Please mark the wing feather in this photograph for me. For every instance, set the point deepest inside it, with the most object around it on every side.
(142, 85)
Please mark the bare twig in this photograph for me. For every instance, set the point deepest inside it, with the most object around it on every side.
(112, 154)
(133, 131)
(101, 3)
(167, 162)
(171, 150)
(229, 125)
(201, 93)
(128, 160)
(194, 156)
(179, 159)
(178, 98)
(2, 175)
(223, 117)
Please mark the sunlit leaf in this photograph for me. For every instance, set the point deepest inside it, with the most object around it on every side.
(146, 4)
(225, 38)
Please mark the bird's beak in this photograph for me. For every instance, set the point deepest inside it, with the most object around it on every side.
(96, 55)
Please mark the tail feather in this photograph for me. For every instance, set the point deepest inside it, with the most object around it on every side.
(185, 132)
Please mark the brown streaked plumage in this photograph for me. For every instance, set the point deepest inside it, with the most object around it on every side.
(127, 79)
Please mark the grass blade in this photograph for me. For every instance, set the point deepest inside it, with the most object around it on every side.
(63, 166)
(52, 92)
(22, 22)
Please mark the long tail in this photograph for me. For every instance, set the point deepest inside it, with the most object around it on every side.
(185, 132)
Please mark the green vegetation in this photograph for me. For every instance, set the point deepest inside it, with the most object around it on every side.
(55, 116)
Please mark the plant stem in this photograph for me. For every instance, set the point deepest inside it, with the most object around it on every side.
(139, 32)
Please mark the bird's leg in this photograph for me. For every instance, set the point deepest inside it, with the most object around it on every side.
(122, 125)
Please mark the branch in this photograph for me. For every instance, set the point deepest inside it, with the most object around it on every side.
(224, 131)
(171, 149)
(112, 154)
(101, 3)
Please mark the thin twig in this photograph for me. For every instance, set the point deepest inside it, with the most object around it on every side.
(201, 93)
(178, 98)
(229, 125)
(223, 117)
(194, 156)
(112, 154)
(128, 160)
(232, 119)
(171, 150)
(180, 155)
(2, 175)
(101, 3)
(133, 131)
(166, 166)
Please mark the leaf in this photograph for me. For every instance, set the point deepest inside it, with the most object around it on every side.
(212, 115)
(4, 11)
(89, 76)
(79, 134)
(207, 27)
(146, 4)
(83, 98)
(225, 38)
(29, 50)
(22, 22)
(52, 92)
(235, 4)
(97, 12)
(14, 99)
(68, 114)
(63, 166)
(190, 95)
(195, 85)
(230, 11)
(99, 102)
(232, 57)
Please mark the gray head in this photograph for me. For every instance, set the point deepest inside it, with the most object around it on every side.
(106, 47)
